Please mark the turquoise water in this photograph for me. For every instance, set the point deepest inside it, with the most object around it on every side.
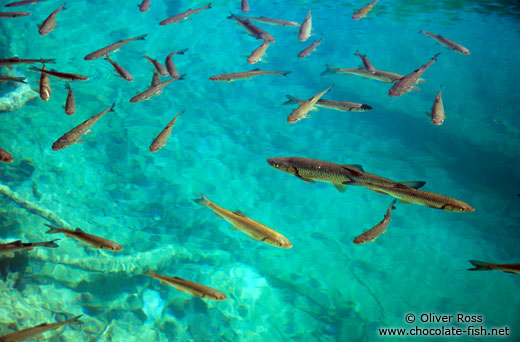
(323, 289)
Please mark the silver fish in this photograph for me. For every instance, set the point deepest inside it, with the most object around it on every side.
(184, 15)
(447, 43)
(253, 30)
(307, 51)
(370, 68)
(70, 104)
(15, 60)
(160, 140)
(10, 248)
(12, 79)
(405, 84)
(305, 28)
(277, 22)
(158, 66)
(153, 90)
(233, 76)
(257, 53)
(45, 86)
(112, 47)
(329, 104)
(14, 14)
(120, 70)
(244, 6)
(301, 111)
(144, 6)
(62, 75)
(437, 114)
(49, 24)
(22, 3)
(373, 233)
(170, 66)
(30, 333)
(379, 75)
(93, 240)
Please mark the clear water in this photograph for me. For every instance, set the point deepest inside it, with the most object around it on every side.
(323, 289)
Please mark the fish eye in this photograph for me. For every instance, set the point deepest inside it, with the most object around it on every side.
(276, 165)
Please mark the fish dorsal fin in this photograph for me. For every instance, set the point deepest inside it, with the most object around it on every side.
(401, 186)
(256, 69)
(16, 243)
(240, 213)
(414, 184)
(356, 167)
(79, 230)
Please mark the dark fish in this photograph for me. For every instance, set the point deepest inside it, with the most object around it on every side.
(22, 3)
(13, 14)
(307, 51)
(170, 66)
(160, 140)
(253, 30)
(93, 240)
(70, 104)
(373, 233)
(5, 156)
(120, 70)
(145, 95)
(30, 333)
(406, 83)
(16, 60)
(158, 66)
(49, 24)
(144, 6)
(62, 75)
(112, 47)
(12, 79)
(370, 68)
(184, 15)
(337, 105)
(10, 248)
(486, 266)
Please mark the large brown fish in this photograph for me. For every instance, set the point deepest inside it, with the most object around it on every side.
(112, 47)
(144, 6)
(447, 43)
(305, 28)
(307, 51)
(16, 60)
(486, 266)
(14, 14)
(72, 136)
(184, 15)
(270, 21)
(70, 104)
(45, 86)
(253, 30)
(364, 11)
(120, 70)
(437, 114)
(145, 95)
(373, 233)
(379, 75)
(370, 68)
(257, 53)
(22, 3)
(49, 24)
(160, 140)
(329, 104)
(242, 75)
(170, 66)
(93, 240)
(62, 75)
(5, 156)
(188, 286)
(301, 111)
(406, 83)
(8, 249)
(158, 66)
(30, 333)
(241, 222)
(4, 79)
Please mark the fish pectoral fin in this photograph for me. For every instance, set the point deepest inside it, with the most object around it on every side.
(414, 88)
(340, 187)
(240, 213)
(407, 202)
(314, 109)
(308, 180)
(233, 227)
(89, 132)
(80, 141)
(9, 255)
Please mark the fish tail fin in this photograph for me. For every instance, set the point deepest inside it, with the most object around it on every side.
(357, 53)
(141, 37)
(111, 108)
(63, 6)
(480, 266)
(231, 16)
(67, 85)
(436, 55)
(181, 77)
(392, 204)
(51, 244)
(291, 100)
(181, 52)
(285, 73)
(329, 69)
(422, 31)
(52, 230)
(208, 5)
(75, 320)
(203, 200)
(148, 272)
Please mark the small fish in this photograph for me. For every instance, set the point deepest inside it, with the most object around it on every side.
(257, 53)
(277, 22)
(5, 156)
(379, 75)
(16, 60)
(120, 70)
(170, 66)
(156, 80)
(45, 86)
(370, 68)
(62, 75)
(17, 246)
(188, 286)
(253, 30)
(373, 233)
(70, 104)
(112, 47)
(244, 6)
(447, 43)
(154, 90)
(420, 197)
(49, 24)
(305, 28)
(233, 76)
(241, 222)
(184, 15)
(307, 51)
(301, 111)
(364, 11)
(485, 266)
(14, 14)
(158, 66)
(159, 142)
(12, 79)
(144, 6)
(93, 240)
(31, 333)
(437, 114)
(405, 84)
(22, 3)
(329, 104)
(72, 136)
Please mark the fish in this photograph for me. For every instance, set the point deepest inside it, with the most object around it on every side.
(45, 86)
(5, 156)
(144, 6)
(72, 136)
(253, 30)
(70, 104)
(305, 28)
(22, 3)
(184, 15)
(154, 90)
(156, 80)
(16, 60)
(437, 114)
(420, 197)
(122, 72)
(246, 75)
(158, 66)
(62, 75)
(447, 43)
(373, 233)
(10, 248)
(257, 53)
(364, 11)
(370, 68)
(112, 47)
(329, 104)
(160, 140)
(277, 22)
(14, 14)
(405, 84)
(486, 266)
(170, 66)
(311, 170)
(379, 75)
(30, 333)
(244, 6)
(301, 111)
(241, 222)
(49, 24)
(188, 286)
(12, 79)
(93, 240)
(307, 51)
